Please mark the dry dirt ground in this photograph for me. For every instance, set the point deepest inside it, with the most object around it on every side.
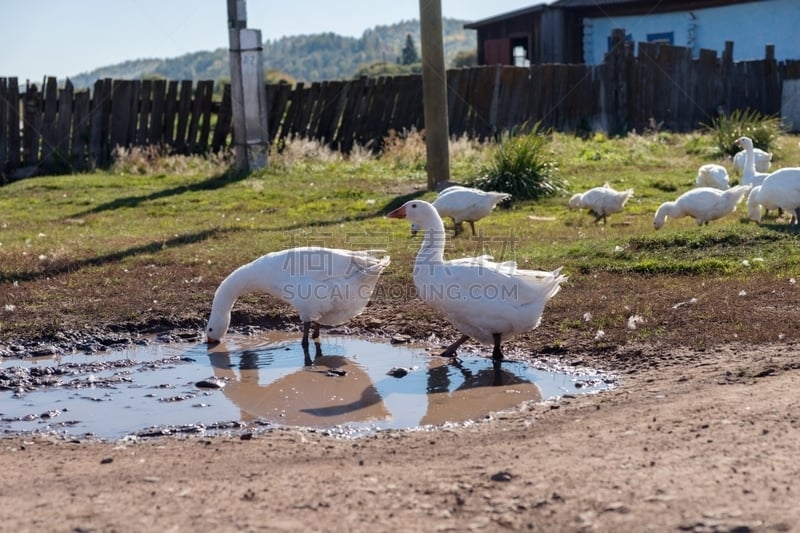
(702, 435)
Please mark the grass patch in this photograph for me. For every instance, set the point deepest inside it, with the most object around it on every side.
(159, 239)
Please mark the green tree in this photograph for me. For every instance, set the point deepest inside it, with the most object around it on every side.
(409, 53)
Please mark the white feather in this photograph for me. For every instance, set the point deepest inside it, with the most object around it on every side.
(325, 286)
(703, 204)
(601, 201)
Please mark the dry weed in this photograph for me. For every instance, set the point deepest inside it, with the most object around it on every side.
(294, 150)
(154, 159)
(405, 148)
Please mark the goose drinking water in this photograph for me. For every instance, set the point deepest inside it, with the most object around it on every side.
(324, 285)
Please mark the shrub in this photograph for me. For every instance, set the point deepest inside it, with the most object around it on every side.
(522, 166)
(762, 129)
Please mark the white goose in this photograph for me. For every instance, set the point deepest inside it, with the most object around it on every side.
(703, 204)
(763, 160)
(749, 174)
(780, 190)
(601, 201)
(465, 204)
(325, 286)
(484, 300)
(712, 175)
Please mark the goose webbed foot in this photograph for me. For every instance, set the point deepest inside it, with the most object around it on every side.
(451, 350)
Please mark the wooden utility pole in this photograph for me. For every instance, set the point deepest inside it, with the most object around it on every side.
(248, 90)
(434, 93)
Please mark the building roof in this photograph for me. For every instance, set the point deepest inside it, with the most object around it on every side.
(629, 6)
(504, 16)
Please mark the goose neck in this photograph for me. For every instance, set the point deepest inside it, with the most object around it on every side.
(749, 159)
(432, 249)
(247, 278)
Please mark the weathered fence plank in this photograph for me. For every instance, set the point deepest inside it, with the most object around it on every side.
(121, 102)
(66, 97)
(170, 112)
(5, 127)
(328, 117)
(49, 116)
(32, 125)
(80, 132)
(224, 121)
(278, 95)
(203, 96)
(184, 110)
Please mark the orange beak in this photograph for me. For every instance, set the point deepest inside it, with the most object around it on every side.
(400, 212)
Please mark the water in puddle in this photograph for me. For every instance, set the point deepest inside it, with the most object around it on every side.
(354, 385)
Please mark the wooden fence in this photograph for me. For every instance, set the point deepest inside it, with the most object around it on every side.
(60, 129)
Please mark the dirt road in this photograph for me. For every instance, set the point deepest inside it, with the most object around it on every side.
(702, 441)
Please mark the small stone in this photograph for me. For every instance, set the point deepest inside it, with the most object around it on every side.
(210, 383)
(398, 372)
(399, 338)
(502, 476)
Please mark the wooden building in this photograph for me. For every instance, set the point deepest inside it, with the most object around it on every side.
(578, 31)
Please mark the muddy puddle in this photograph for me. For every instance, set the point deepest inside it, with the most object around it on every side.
(248, 383)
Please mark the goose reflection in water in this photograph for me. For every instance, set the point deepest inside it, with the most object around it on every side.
(330, 391)
(266, 382)
(483, 391)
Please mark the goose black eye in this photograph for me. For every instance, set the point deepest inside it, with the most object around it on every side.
(414, 206)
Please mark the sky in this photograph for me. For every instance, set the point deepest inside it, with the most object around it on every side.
(63, 39)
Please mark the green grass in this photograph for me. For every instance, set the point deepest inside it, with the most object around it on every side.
(199, 215)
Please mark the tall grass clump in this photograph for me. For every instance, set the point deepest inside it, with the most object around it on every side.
(293, 151)
(404, 149)
(764, 130)
(522, 165)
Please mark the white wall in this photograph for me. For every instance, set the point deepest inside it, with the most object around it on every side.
(750, 26)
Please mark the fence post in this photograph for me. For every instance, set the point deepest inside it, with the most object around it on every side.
(248, 91)
(434, 93)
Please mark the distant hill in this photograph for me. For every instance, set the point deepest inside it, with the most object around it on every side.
(316, 57)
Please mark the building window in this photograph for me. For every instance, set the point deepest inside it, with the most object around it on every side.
(519, 52)
(664, 37)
